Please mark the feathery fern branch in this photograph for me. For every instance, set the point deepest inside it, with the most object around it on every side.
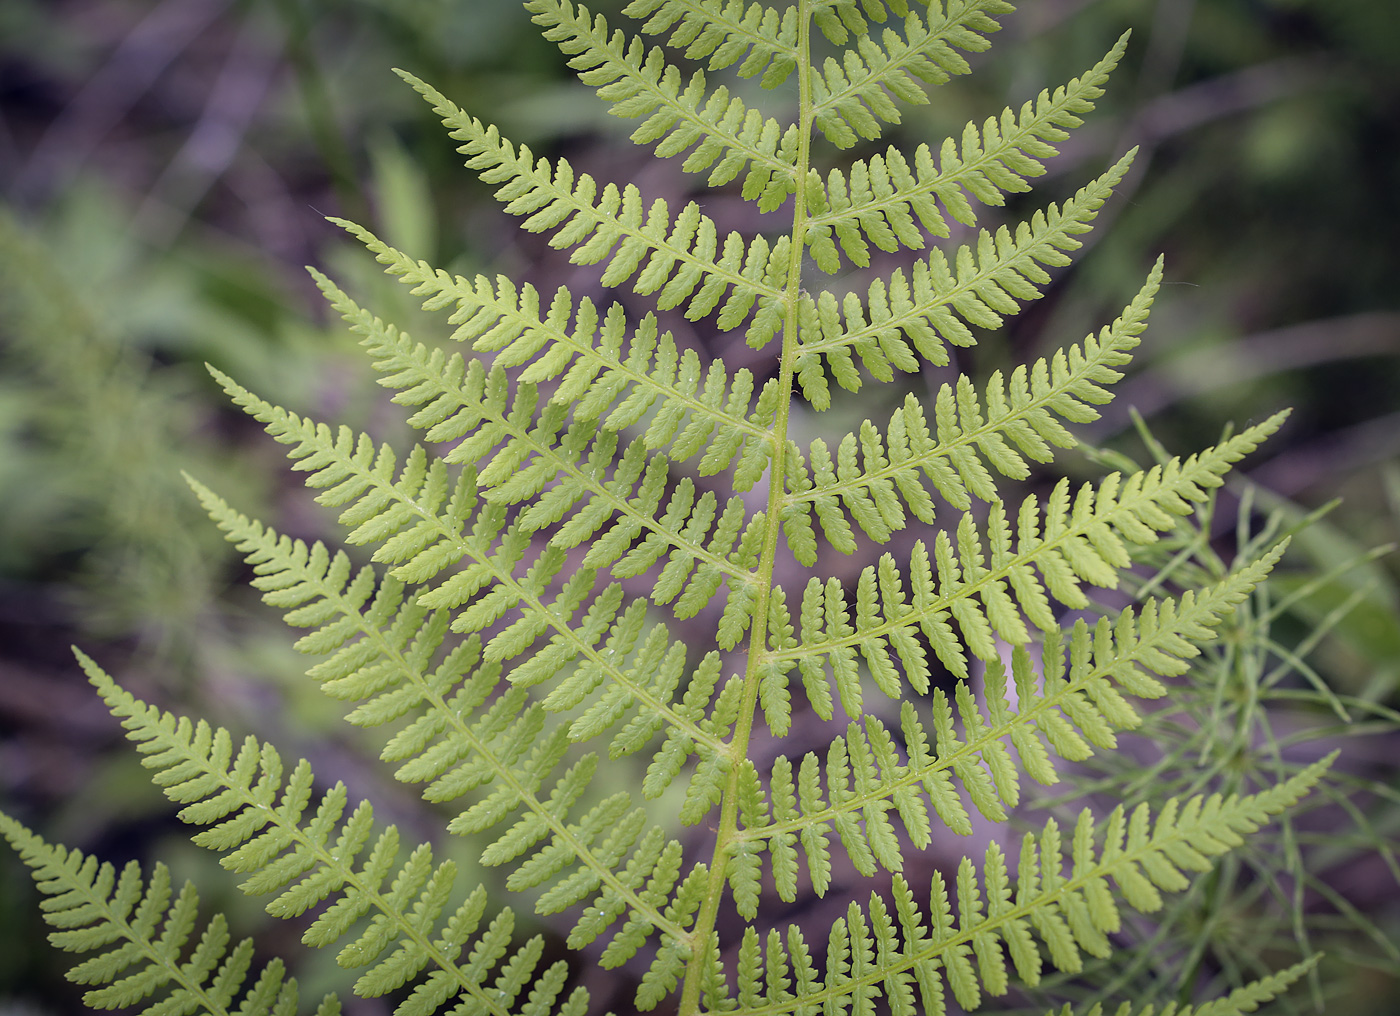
(851, 99)
(884, 192)
(934, 306)
(685, 262)
(641, 83)
(693, 403)
(1060, 710)
(141, 931)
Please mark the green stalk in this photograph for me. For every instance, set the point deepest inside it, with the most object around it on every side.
(727, 832)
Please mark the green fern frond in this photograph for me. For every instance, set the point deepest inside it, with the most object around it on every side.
(685, 262)
(1061, 895)
(507, 636)
(150, 949)
(685, 114)
(937, 302)
(985, 579)
(853, 97)
(885, 194)
(1065, 707)
(263, 821)
(723, 32)
(1014, 420)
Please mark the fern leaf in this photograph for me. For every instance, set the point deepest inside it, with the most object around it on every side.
(855, 96)
(693, 403)
(466, 736)
(1072, 705)
(141, 931)
(1239, 1002)
(1063, 900)
(504, 629)
(385, 508)
(723, 32)
(683, 255)
(884, 193)
(517, 453)
(937, 301)
(683, 114)
(875, 476)
(985, 579)
(257, 817)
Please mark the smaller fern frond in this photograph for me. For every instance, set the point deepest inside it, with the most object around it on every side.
(885, 194)
(854, 97)
(679, 113)
(1068, 706)
(150, 949)
(938, 301)
(840, 19)
(680, 258)
(875, 475)
(1065, 895)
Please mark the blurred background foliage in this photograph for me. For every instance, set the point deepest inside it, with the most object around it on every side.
(165, 170)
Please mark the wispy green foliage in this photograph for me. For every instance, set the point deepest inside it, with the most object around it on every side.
(585, 484)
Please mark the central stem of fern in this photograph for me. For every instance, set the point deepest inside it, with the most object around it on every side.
(727, 833)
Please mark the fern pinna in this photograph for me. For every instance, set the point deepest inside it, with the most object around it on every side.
(510, 632)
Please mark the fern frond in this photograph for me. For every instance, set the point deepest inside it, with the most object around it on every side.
(468, 733)
(937, 302)
(1066, 707)
(685, 262)
(986, 578)
(1063, 897)
(885, 194)
(150, 950)
(723, 32)
(683, 114)
(696, 408)
(518, 453)
(271, 827)
(873, 477)
(854, 97)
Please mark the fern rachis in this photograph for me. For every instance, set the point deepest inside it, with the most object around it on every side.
(527, 552)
